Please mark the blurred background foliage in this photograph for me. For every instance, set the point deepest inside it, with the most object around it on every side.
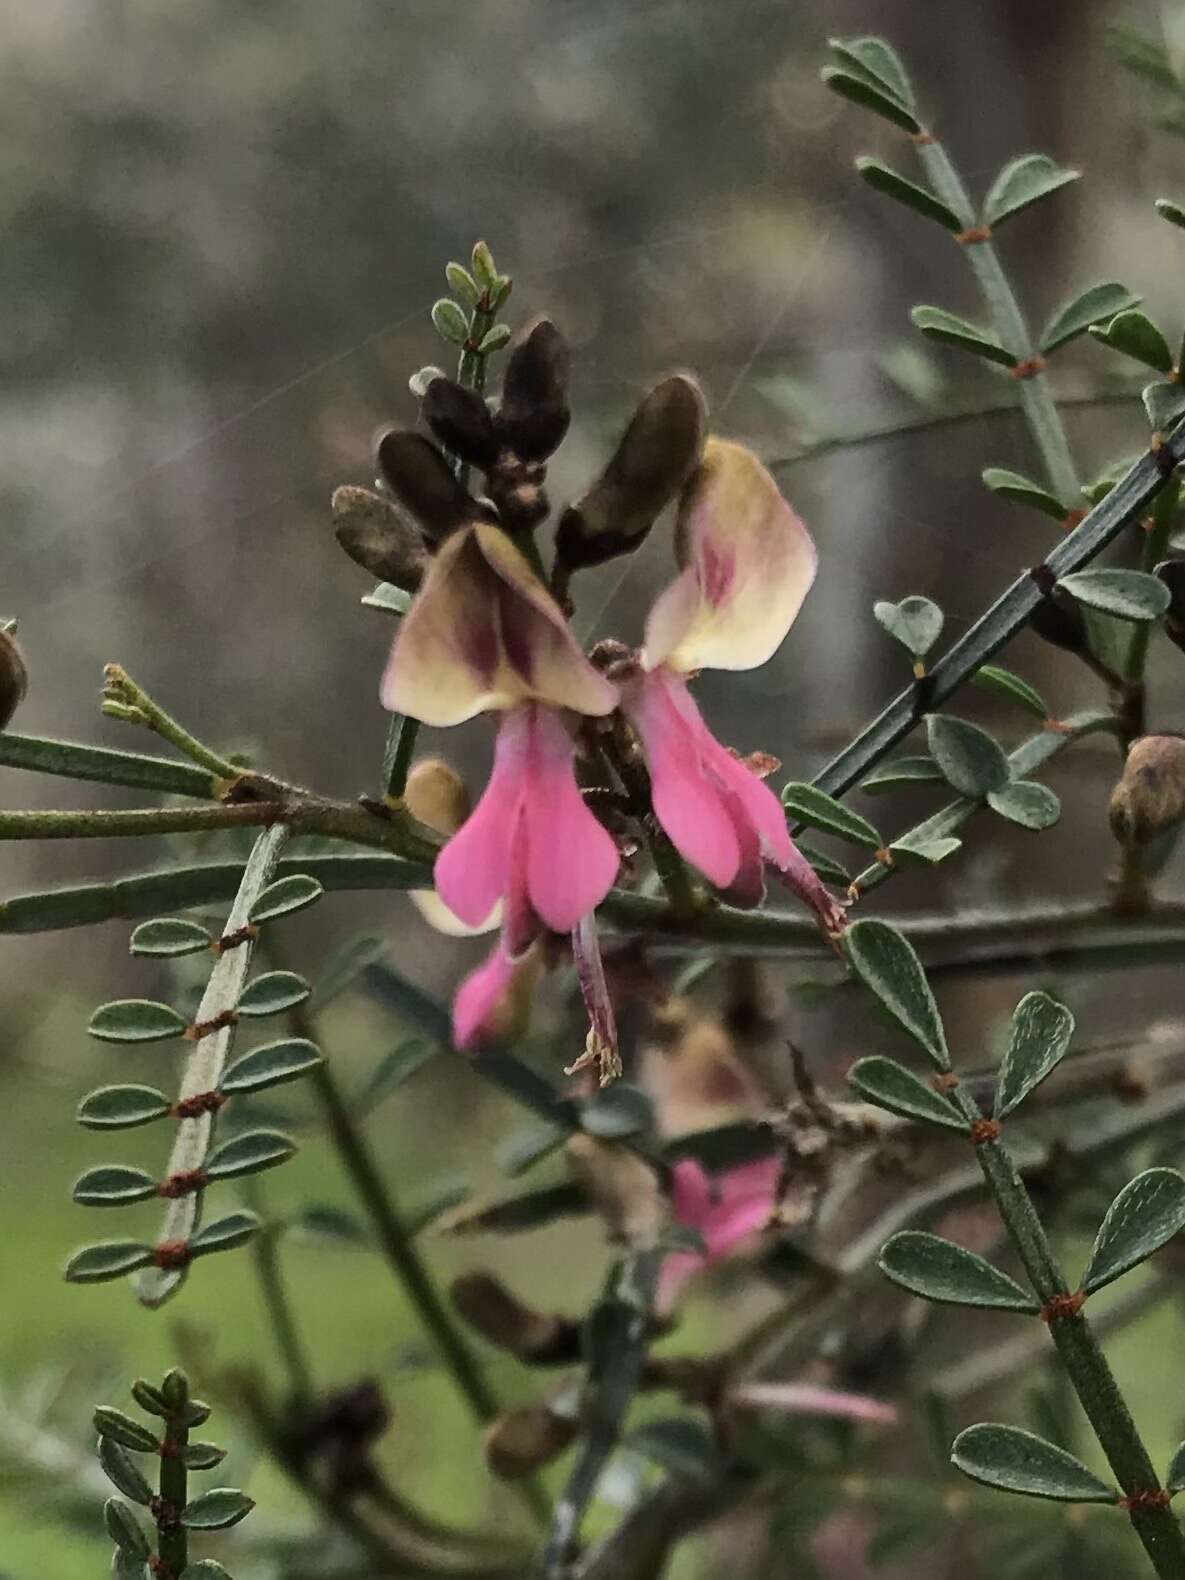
(222, 229)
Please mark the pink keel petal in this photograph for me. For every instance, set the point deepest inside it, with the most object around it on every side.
(687, 802)
(478, 997)
(571, 860)
(472, 871)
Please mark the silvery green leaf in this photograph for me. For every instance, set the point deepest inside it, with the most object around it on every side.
(124, 1528)
(1018, 1461)
(1003, 683)
(1021, 182)
(882, 178)
(1171, 211)
(170, 935)
(805, 803)
(900, 771)
(217, 1509)
(1026, 802)
(1127, 595)
(915, 622)
(1092, 306)
(891, 1086)
(1011, 485)
(120, 1107)
(270, 1065)
(285, 896)
(873, 58)
(123, 1472)
(1041, 1032)
(971, 761)
(135, 1020)
(950, 330)
(866, 92)
(885, 961)
(1165, 404)
(225, 1234)
(112, 1185)
(1146, 1214)
(450, 321)
(272, 993)
(249, 1153)
(1136, 336)
(95, 1264)
(939, 1270)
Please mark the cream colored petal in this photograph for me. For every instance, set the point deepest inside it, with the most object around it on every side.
(438, 916)
(538, 651)
(748, 563)
(446, 661)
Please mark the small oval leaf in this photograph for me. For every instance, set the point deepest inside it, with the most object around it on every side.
(1147, 1213)
(112, 1185)
(884, 960)
(930, 848)
(1171, 211)
(123, 1472)
(202, 1456)
(112, 1259)
(1018, 1461)
(121, 1107)
(135, 1020)
(873, 58)
(1174, 1476)
(217, 1509)
(1092, 306)
(285, 896)
(273, 992)
(806, 804)
(1128, 595)
(1041, 1033)
(124, 1429)
(915, 622)
(937, 324)
(1165, 405)
(679, 1445)
(1011, 485)
(1003, 683)
(1027, 803)
(865, 92)
(900, 771)
(124, 1528)
(1136, 336)
(170, 935)
(270, 1065)
(881, 178)
(225, 1234)
(450, 322)
(1021, 182)
(249, 1153)
(891, 1086)
(941, 1271)
(971, 761)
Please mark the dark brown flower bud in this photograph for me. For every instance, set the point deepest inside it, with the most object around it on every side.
(379, 537)
(421, 481)
(1172, 574)
(657, 454)
(14, 677)
(1150, 797)
(501, 1318)
(624, 1189)
(522, 1441)
(436, 796)
(533, 416)
(461, 420)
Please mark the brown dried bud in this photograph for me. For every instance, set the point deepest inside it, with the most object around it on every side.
(379, 537)
(421, 481)
(522, 1441)
(461, 420)
(436, 796)
(657, 454)
(14, 677)
(624, 1190)
(501, 1318)
(1150, 797)
(533, 416)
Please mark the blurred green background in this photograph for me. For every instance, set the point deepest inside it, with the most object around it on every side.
(223, 227)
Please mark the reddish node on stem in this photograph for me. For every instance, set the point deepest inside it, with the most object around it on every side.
(973, 234)
(232, 940)
(945, 1082)
(884, 856)
(182, 1184)
(171, 1254)
(1147, 1498)
(203, 1028)
(985, 1130)
(921, 138)
(1072, 519)
(1027, 368)
(194, 1107)
(1059, 1307)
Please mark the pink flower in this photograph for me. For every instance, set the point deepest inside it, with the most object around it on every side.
(483, 634)
(724, 1208)
(747, 564)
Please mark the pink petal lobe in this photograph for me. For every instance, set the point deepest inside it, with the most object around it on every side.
(571, 861)
(748, 563)
(473, 870)
(687, 802)
(478, 998)
(798, 874)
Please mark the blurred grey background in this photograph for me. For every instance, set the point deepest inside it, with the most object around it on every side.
(222, 227)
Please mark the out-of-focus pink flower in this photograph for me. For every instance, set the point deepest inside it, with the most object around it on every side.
(747, 564)
(724, 1209)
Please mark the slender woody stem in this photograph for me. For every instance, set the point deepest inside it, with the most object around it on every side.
(1045, 422)
(265, 1250)
(1085, 1363)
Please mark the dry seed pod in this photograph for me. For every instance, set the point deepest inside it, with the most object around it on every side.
(379, 537)
(14, 677)
(501, 1318)
(1150, 797)
(623, 1188)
